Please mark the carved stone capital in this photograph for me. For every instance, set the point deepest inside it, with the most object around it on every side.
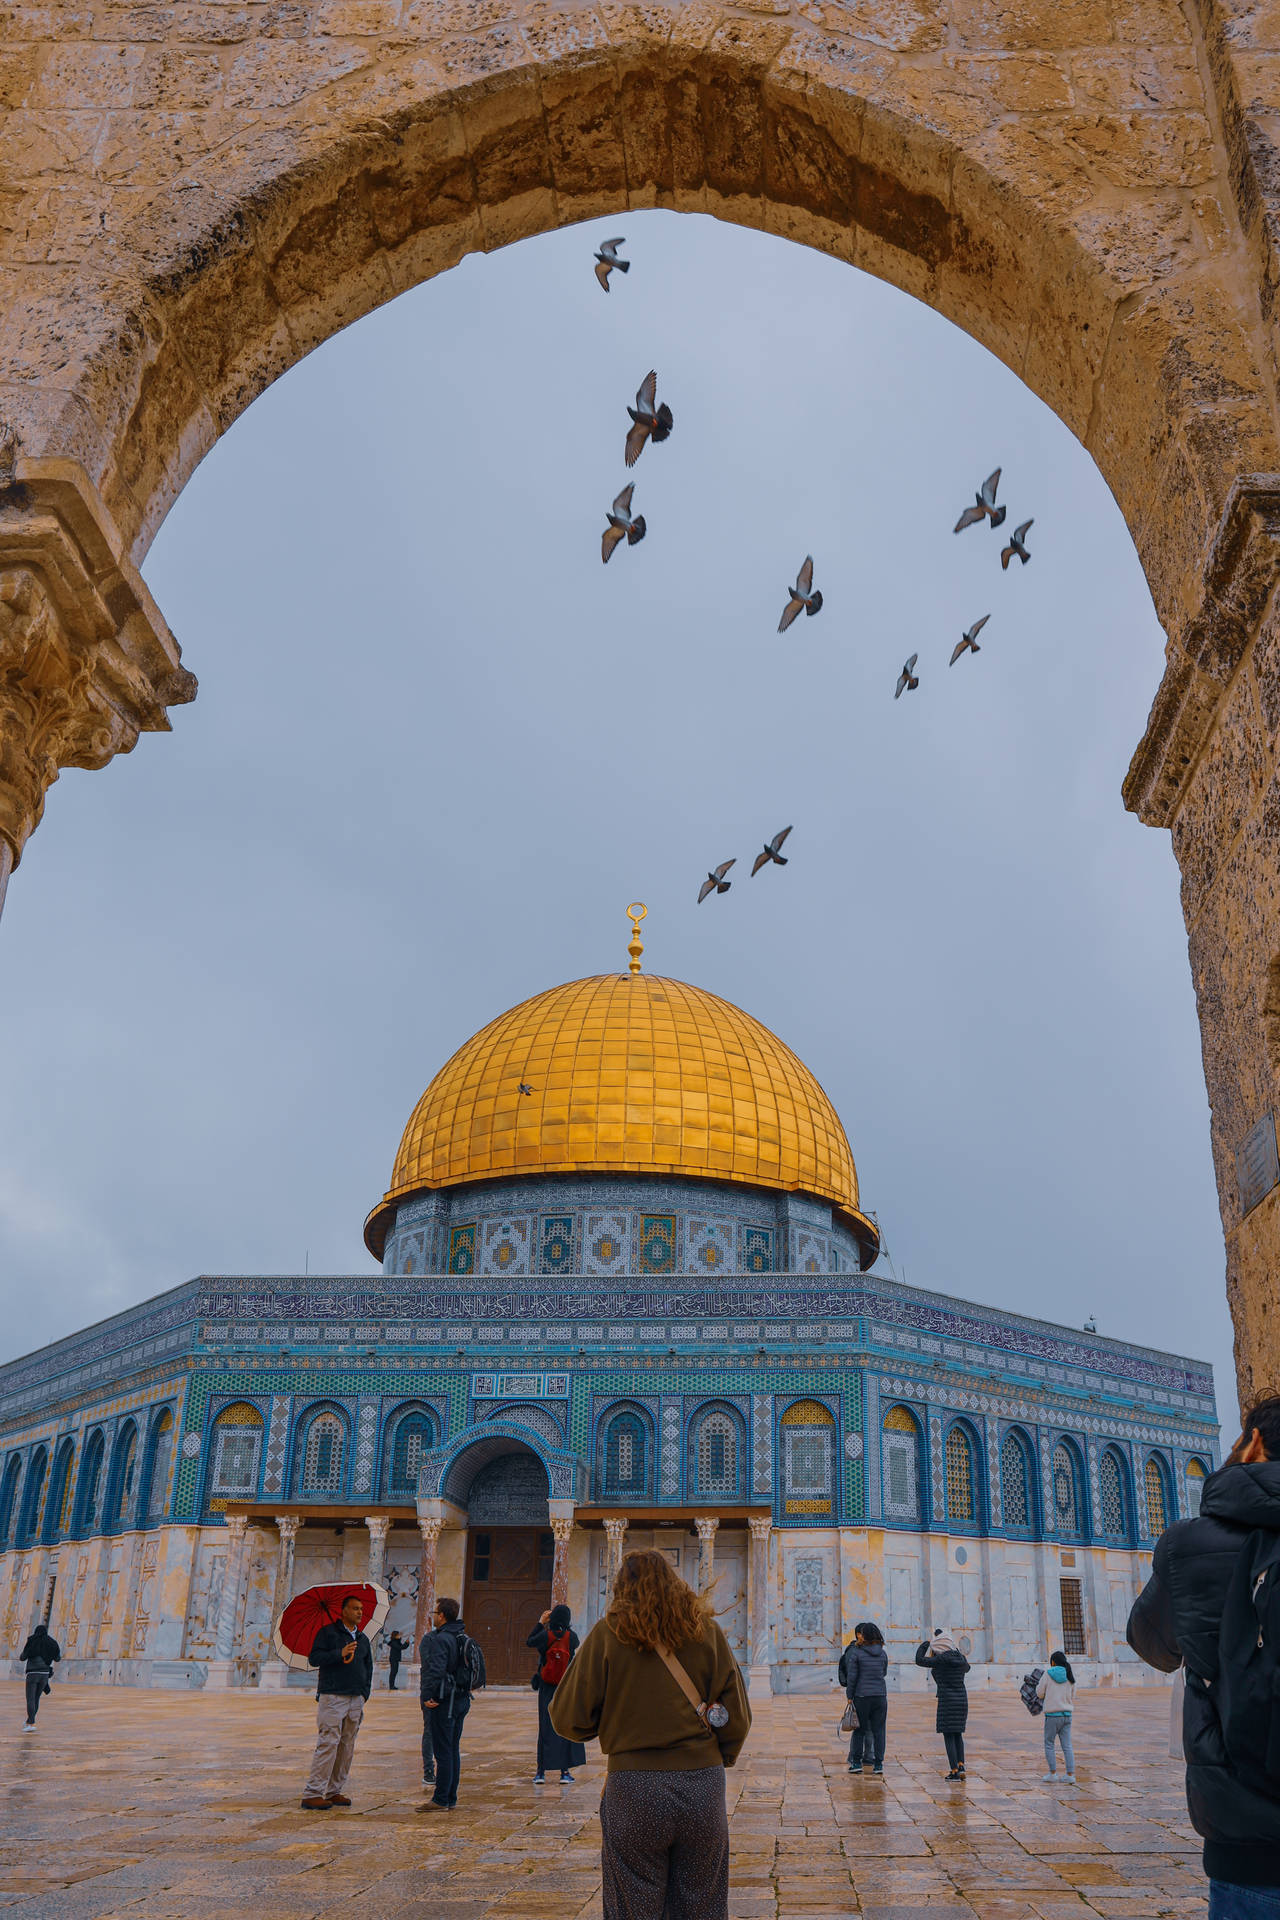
(615, 1527)
(288, 1524)
(378, 1525)
(1240, 571)
(430, 1531)
(562, 1528)
(707, 1525)
(761, 1525)
(86, 660)
(236, 1525)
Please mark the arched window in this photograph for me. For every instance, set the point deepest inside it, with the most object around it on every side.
(962, 1493)
(123, 1472)
(1068, 1501)
(1157, 1497)
(900, 1444)
(808, 1457)
(322, 1455)
(57, 1515)
(626, 1456)
(716, 1453)
(1115, 1518)
(1016, 1499)
(158, 1472)
(237, 1448)
(1195, 1479)
(8, 1497)
(412, 1436)
(33, 1487)
(88, 1499)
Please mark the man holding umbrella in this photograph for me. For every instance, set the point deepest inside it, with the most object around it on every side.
(345, 1660)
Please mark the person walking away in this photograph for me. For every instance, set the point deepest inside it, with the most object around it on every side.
(555, 1643)
(395, 1654)
(345, 1662)
(445, 1691)
(948, 1666)
(863, 1670)
(40, 1653)
(1212, 1604)
(633, 1687)
(1057, 1688)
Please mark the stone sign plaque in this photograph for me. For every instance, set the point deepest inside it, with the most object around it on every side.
(1257, 1163)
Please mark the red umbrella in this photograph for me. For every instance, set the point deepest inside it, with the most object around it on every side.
(317, 1607)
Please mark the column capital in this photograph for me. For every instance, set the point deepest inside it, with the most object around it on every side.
(562, 1525)
(761, 1525)
(615, 1526)
(379, 1524)
(430, 1530)
(707, 1525)
(236, 1525)
(288, 1524)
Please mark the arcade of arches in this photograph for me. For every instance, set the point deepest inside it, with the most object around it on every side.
(192, 197)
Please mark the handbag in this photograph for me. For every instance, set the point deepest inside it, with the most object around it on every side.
(713, 1715)
(849, 1721)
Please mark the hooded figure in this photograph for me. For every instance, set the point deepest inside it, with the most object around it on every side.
(40, 1652)
(948, 1666)
(555, 1643)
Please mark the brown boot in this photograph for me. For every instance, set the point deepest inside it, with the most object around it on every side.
(338, 1800)
(315, 1803)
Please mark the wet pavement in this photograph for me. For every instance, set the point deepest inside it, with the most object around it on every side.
(164, 1806)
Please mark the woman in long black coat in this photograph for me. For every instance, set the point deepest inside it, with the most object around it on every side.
(563, 1755)
(948, 1666)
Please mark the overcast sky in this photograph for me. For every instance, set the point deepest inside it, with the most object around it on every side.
(438, 747)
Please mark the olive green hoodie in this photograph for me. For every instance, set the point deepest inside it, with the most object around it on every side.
(625, 1698)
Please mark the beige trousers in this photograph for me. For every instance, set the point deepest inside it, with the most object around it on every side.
(338, 1717)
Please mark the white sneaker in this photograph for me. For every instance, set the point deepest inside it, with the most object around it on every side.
(1048, 1776)
(30, 1727)
(1071, 1779)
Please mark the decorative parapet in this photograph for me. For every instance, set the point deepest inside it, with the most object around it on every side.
(87, 662)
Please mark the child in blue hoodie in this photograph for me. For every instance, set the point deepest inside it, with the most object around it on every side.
(1057, 1688)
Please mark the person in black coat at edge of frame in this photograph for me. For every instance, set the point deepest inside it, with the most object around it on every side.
(1211, 1604)
(555, 1643)
(345, 1662)
(948, 1666)
(445, 1691)
(863, 1666)
(39, 1653)
(395, 1654)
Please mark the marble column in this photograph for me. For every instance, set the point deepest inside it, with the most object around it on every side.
(377, 1523)
(616, 1532)
(274, 1673)
(707, 1525)
(759, 1625)
(562, 1528)
(221, 1671)
(430, 1531)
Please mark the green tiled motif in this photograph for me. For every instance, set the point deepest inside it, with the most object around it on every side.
(462, 1249)
(580, 1412)
(657, 1243)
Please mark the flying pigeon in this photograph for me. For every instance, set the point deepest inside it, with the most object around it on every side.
(801, 595)
(715, 881)
(771, 853)
(1017, 545)
(984, 506)
(907, 679)
(607, 259)
(650, 421)
(621, 521)
(525, 1087)
(969, 640)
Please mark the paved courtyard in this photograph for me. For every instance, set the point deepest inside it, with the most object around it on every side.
(160, 1806)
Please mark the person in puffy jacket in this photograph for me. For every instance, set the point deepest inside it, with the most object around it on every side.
(1175, 1621)
(1057, 1688)
(40, 1653)
(553, 1636)
(948, 1666)
(863, 1666)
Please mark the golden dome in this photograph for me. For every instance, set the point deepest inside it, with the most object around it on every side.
(629, 1073)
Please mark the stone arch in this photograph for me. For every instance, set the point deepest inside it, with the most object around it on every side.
(409, 1435)
(717, 1452)
(155, 1484)
(57, 1514)
(473, 1467)
(962, 1472)
(1069, 1499)
(89, 1491)
(122, 1483)
(320, 1463)
(1114, 1518)
(32, 1496)
(1019, 1508)
(625, 1454)
(1158, 1509)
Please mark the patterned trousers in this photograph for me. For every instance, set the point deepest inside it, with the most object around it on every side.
(666, 1846)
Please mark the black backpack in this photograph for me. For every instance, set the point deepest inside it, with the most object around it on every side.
(1030, 1698)
(1246, 1693)
(469, 1675)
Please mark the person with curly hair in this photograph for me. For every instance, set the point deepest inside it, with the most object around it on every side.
(656, 1684)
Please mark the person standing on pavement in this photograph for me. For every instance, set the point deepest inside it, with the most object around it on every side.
(948, 1666)
(1057, 1688)
(395, 1654)
(40, 1652)
(555, 1643)
(445, 1691)
(1211, 1604)
(345, 1662)
(633, 1685)
(863, 1668)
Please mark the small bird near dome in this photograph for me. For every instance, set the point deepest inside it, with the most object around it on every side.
(651, 422)
(607, 259)
(622, 522)
(908, 680)
(969, 640)
(1017, 545)
(801, 595)
(715, 881)
(770, 853)
(984, 506)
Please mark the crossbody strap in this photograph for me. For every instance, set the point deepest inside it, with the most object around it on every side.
(685, 1684)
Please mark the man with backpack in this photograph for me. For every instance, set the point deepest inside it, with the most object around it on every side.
(452, 1669)
(1213, 1605)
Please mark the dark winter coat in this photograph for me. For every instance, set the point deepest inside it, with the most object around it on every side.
(40, 1652)
(395, 1651)
(1174, 1619)
(440, 1657)
(554, 1751)
(336, 1674)
(948, 1670)
(862, 1672)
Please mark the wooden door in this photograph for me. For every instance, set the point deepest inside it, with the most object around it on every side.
(508, 1586)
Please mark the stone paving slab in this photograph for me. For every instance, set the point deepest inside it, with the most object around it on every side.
(134, 1805)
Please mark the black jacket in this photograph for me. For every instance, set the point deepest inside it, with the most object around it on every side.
(948, 1670)
(1175, 1619)
(40, 1651)
(395, 1649)
(862, 1672)
(441, 1656)
(336, 1674)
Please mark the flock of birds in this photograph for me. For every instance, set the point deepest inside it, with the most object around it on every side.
(651, 421)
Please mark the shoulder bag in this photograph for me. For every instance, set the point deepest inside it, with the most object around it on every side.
(713, 1715)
